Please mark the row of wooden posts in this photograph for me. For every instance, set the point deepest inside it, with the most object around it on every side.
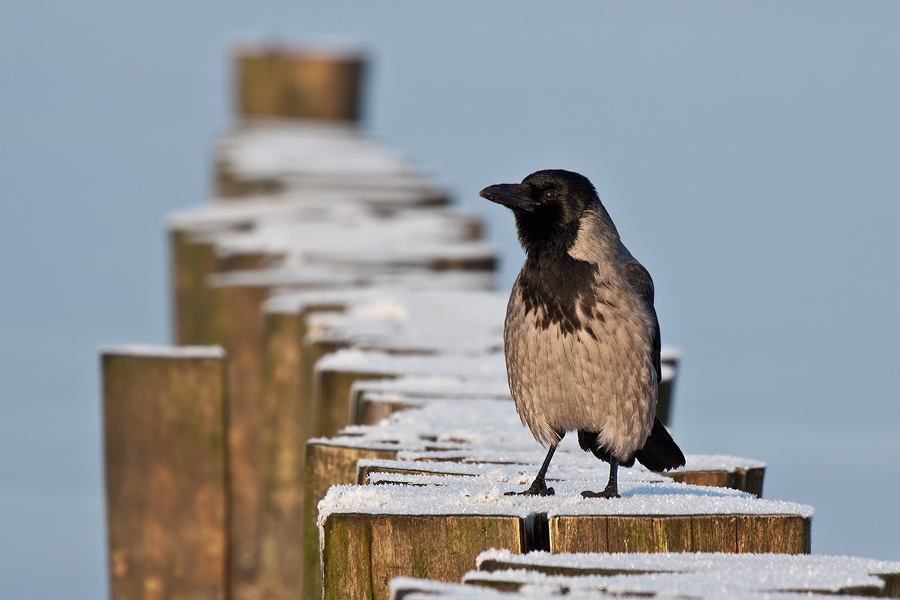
(334, 411)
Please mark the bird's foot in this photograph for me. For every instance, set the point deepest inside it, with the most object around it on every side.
(538, 488)
(610, 492)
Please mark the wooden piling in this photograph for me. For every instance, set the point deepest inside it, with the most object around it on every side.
(364, 552)
(191, 262)
(285, 429)
(166, 472)
(649, 574)
(275, 82)
(747, 479)
(448, 511)
(780, 534)
(326, 465)
(238, 324)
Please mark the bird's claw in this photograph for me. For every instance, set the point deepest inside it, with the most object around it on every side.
(538, 488)
(609, 492)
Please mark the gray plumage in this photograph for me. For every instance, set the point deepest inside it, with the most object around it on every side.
(581, 335)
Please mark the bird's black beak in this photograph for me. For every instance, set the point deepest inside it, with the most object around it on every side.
(512, 195)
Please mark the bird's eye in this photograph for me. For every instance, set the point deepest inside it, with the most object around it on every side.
(549, 194)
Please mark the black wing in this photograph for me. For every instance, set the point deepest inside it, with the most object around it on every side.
(642, 284)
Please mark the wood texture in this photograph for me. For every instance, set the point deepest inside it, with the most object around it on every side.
(588, 534)
(313, 396)
(229, 315)
(332, 396)
(780, 534)
(326, 465)
(747, 480)
(277, 83)
(165, 456)
(371, 411)
(237, 317)
(362, 553)
(192, 261)
(285, 430)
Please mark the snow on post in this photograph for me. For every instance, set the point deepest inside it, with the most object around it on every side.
(698, 575)
(434, 527)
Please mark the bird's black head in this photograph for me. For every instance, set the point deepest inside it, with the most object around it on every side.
(548, 206)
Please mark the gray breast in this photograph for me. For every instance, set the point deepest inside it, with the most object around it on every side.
(592, 369)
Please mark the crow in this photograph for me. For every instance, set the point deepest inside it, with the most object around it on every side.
(581, 338)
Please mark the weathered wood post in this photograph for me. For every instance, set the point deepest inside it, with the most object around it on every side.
(166, 472)
(275, 82)
(286, 426)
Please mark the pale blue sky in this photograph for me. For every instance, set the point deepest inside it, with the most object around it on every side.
(749, 154)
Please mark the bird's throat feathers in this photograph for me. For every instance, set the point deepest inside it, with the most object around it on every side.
(558, 289)
(590, 236)
(568, 269)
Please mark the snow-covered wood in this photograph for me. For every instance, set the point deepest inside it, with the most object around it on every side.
(700, 575)
(270, 156)
(428, 517)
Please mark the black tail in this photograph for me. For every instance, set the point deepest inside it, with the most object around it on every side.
(660, 452)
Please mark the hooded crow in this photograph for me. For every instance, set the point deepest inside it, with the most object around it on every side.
(581, 337)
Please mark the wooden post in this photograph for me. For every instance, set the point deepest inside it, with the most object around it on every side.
(780, 534)
(285, 429)
(326, 465)
(741, 575)
(411, 527)
(193, 259)
(328, 417)
(289, 419)
(165, 455)
(237, 316)
(332, 395)
(363, 552)
(747, 480)
(274, 82)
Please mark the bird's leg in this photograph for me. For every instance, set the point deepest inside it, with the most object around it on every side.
(612, 488)
(539, 486)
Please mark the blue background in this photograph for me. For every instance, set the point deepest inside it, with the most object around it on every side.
(748, 152)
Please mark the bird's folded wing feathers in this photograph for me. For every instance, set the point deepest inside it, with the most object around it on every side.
(641, 282)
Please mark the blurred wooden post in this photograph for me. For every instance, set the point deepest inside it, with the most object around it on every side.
(333, 398)
(238, 326)
(299, 84)
(165, 456)
(192, 262)
(286, 425)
